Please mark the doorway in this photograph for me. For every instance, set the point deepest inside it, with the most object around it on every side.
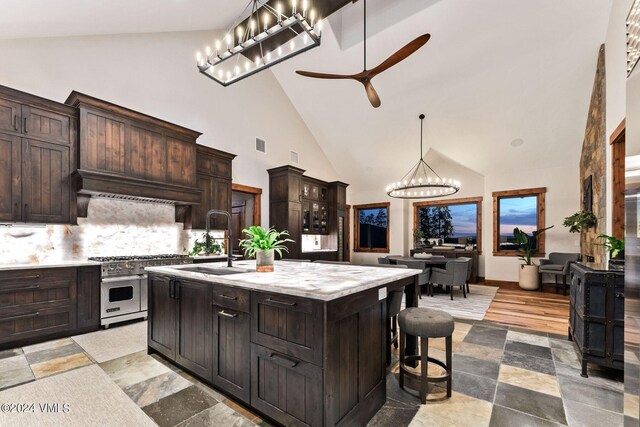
(245, 210)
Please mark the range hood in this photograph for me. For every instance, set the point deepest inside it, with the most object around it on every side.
(124, 154)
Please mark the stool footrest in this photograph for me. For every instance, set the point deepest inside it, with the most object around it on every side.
(414, 375)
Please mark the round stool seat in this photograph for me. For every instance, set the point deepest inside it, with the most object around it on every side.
(426, 322)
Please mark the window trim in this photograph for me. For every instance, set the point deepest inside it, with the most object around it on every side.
(356, 226)
(449, 202)
(540, 193)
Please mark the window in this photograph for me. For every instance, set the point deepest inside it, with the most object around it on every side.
(371, 228)
(523, 209)
(454, 222)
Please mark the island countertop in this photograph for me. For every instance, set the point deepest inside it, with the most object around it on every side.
(324, 282)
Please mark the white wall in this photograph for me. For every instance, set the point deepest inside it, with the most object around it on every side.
(616, 75)
(156, 74)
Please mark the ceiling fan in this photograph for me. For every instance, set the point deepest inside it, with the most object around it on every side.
(366, 75)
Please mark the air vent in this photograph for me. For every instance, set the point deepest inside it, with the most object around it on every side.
(294, 157)
(261, 145)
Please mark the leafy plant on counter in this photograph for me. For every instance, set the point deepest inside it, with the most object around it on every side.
(258, 238)
(527, 243)
(579, 221)
(200, 246)
(615, 246)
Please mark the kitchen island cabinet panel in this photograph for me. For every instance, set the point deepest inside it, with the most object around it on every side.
(286, 389)
(194, 326)
(89, 297)
(232, 352)
(162, 316)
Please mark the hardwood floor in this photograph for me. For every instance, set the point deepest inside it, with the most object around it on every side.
(540, 311)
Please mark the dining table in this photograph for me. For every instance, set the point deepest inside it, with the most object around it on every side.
(435, 261)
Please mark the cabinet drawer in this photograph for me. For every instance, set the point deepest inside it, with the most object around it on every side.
(233, 298)
(286, 389)
(289, 325)
(35, 320)
(29, 287)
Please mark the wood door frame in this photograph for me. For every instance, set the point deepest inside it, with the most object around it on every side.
(257, 200)
(618, 148)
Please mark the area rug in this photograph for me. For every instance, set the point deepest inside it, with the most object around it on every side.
(473, 307)
(117, 341)
(82, 397)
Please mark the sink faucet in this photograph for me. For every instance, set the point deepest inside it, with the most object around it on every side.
(229, 241)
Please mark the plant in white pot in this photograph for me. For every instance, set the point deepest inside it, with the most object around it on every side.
(528, 273)
(262, 244)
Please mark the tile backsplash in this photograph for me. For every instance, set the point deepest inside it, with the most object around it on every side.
(112, 227)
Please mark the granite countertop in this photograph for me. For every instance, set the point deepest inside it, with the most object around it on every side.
(323, 282)
(319, 250)
(48, 264)
(214, 257)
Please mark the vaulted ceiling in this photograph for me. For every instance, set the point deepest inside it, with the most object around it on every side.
(505, 84)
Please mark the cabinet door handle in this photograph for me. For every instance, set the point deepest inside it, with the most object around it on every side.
(292, 361)
(26, 125)
(23, 288)
(620, 295)
(229, 315)
(228, 297)
(20, 316)
(12, 279)
(275, 301)
(171, 288)
(176, 290)
(15, 122)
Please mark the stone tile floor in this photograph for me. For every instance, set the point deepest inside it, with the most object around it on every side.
(502, 377)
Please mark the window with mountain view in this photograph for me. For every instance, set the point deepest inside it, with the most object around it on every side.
(517, 209)
(452, 222)
(371, 228)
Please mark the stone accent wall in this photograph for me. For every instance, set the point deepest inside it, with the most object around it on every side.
(593, 163)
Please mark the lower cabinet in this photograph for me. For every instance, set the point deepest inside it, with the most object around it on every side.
(231, 352)
(285, 388)
(162, 317)
(39, 304)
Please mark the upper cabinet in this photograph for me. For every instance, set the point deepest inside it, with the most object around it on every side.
(214, 179)
(124, 153)
(38, 140)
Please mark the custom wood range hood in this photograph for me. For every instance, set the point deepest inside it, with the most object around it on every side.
(125, 154)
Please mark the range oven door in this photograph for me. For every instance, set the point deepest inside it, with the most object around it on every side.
(120, 295)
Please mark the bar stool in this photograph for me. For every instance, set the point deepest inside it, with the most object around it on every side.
(425, 323)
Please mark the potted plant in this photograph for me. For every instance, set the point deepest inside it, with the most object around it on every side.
(528, 274)
(418, 238)
(262, 244)
(200, 247)
(579, 221)
(615, 246)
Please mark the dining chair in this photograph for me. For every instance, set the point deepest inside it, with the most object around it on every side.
(384, 260)
(469, 268)
(423, 278)
(455, 274)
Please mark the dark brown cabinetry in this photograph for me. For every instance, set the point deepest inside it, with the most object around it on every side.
(596, 315)
(214, 179)
(38, 139)
(39, 304)
(304, 205)
(231, 342)
(163, 310)
(193, 350)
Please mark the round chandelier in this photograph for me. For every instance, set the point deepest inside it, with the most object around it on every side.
(422, 182)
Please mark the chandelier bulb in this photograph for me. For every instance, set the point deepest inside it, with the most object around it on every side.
(240, 35)
(304, 8)
(279, 9)
(294, 5)
(265, 19)
(208, 51)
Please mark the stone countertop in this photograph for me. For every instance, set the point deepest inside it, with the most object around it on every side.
(312, 251)
(213, 257)
(323, 282)
(46, 264)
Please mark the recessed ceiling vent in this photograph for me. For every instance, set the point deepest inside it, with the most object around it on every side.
(294, 157)
(261, 145)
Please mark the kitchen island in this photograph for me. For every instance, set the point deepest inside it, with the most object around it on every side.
(304, 345)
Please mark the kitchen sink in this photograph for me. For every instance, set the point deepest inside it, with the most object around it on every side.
(216, 271)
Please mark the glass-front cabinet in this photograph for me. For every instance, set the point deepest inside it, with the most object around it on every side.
(315, 210)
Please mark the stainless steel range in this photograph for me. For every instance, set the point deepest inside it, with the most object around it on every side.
(123, 293)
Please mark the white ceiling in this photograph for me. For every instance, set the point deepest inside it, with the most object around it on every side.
(56, 18)
(494, 71)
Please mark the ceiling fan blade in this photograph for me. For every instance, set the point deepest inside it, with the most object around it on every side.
(374, 99)
(324, 76)
(401, 54)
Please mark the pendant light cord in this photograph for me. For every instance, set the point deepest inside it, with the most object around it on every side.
(365, 35)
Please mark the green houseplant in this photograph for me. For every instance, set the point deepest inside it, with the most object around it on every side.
(200, 246)
(262, 244)
(528, 273)
(615, 246)
(579, 221)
